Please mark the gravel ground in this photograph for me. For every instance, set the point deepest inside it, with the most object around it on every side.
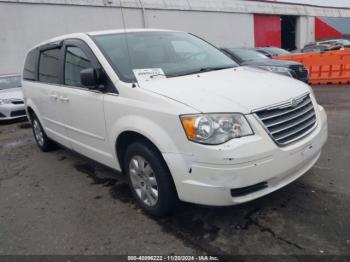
(63, 203)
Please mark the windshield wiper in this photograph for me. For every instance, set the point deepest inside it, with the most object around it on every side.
(208, 69)
(203, 70)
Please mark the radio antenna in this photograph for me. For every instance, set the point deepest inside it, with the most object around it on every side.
(126, 39)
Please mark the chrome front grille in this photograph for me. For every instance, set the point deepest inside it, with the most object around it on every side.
(290, 121)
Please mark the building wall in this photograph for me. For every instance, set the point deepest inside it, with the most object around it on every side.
(221, 29)
(271, 7)
(324, 30)
(25, 25)
(305, 31)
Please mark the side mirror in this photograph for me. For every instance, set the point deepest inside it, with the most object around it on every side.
(89, 78)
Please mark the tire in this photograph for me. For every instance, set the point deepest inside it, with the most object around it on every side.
(143, 164)
(43, 142)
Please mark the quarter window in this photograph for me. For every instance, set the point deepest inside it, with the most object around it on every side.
(75, 61)
(49, 66)
(30, 70)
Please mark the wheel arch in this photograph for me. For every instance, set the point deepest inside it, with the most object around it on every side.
(32, 110)
(126, 138)
(31, 113)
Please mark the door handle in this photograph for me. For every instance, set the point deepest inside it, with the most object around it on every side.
(54, 97)
(64, 99)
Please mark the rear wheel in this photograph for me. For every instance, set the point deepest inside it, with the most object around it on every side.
(150, 179)
(43, 142)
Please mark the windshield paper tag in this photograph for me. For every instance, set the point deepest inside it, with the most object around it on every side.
(148, 74)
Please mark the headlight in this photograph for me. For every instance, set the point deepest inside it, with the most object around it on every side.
(5, 101)
(215, 129)
(311, 91)
(277, 69)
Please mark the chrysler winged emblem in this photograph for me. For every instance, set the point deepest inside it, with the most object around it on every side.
(293, 102)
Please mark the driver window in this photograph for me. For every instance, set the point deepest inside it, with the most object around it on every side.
(75, 61)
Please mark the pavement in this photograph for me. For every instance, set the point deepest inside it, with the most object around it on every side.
(62, 203)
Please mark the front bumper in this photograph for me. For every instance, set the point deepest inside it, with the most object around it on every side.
(12, 111)
(208, 176)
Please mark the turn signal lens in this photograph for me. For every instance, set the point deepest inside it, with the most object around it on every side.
(188, 123)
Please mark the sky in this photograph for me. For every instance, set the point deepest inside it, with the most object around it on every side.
(334, 3)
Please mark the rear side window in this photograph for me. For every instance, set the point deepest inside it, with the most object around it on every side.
(49, 66)
(30, 66)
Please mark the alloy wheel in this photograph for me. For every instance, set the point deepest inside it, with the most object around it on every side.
(38, 132)
(143, 180)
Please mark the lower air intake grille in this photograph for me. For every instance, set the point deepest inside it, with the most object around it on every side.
(289, 122)
(17, 102)
(238, 192)
(18, 113)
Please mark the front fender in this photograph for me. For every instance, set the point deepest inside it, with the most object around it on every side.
(153, 131)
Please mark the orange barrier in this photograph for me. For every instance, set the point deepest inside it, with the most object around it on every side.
(332, 67)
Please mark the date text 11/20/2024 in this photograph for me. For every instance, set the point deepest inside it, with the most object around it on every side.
(173, 258)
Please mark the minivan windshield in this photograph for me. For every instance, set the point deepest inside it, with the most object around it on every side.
(176, 53)
(7, 82)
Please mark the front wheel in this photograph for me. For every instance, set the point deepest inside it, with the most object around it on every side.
(150, 179)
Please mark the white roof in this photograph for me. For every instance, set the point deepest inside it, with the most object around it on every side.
(121, 31)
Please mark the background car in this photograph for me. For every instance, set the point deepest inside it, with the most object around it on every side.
(248, 57)
(327, 45)
(322, 48)
(11, 98)
(272, 51)
(315, 48)
(332, 42)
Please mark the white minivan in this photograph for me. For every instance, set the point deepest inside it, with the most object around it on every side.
(175, 114)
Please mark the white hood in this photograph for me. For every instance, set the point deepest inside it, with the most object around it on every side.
(241, 89)
(11, 93)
